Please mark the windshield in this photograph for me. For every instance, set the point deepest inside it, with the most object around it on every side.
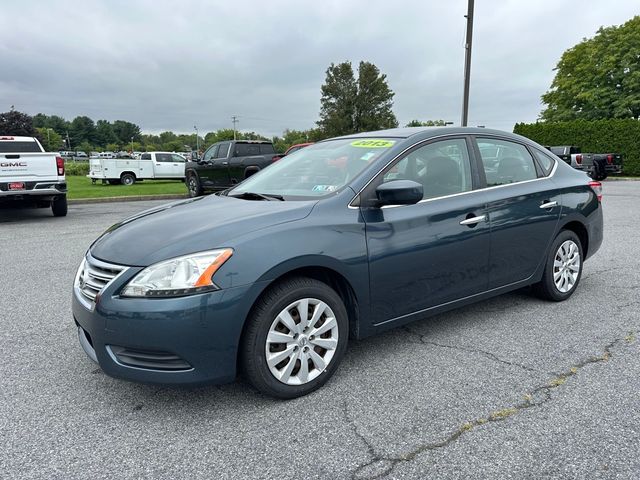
(317, 170)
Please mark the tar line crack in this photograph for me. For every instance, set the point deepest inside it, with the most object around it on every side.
(381, 465)
(484, 353)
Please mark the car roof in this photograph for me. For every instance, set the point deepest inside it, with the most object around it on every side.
(424, 133)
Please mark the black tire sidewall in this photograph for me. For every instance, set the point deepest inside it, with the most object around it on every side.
(59, 206)
(255, 340)
(123, 179)
(548, 283)
(196, 191)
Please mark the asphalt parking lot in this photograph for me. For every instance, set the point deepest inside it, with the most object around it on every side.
(513, 387)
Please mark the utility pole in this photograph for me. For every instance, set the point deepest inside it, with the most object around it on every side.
(235, 120)
(467, 64)
(197, 141)
(68, 141)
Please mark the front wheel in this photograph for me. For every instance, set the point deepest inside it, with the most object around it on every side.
(563, 268)
(295, 338)
(193, 186)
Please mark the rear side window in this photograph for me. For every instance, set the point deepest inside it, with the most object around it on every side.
(545, 161)
(266, 148)
(163, 157)
(505, 162)
(246, 149)
(145, 156)
(19, 147)
(223, 150)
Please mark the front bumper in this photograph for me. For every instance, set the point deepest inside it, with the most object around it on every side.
(187, 340)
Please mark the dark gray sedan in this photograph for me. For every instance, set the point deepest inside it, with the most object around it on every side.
(342, 239)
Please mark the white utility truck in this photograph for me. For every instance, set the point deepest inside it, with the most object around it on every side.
(30, 176)
(126, 171)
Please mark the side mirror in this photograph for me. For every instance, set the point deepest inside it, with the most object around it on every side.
(399, 192)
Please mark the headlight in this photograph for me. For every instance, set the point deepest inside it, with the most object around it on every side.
(178, 276)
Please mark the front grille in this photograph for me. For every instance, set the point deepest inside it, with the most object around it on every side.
(94, 275)
(152, 360)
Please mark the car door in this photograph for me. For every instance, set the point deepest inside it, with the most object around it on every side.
(177, 166)
(433, 252)
(163, 165)
(238, 160)
(523, 205)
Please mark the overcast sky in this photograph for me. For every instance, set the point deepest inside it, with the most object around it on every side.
(169, 65)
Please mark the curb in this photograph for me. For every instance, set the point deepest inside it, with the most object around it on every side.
(622, 179)
(133, 198)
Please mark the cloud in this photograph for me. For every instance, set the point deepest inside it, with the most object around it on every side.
(171, 65)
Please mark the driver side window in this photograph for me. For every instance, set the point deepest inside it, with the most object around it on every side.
(442, 168)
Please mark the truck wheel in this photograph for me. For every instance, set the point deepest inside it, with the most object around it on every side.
(59, 206)
(250, 171)
(193, 185)
(563, 268)
(295, 338)
(127, 178)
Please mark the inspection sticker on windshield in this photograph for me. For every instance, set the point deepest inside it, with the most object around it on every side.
(324, 188)
(373, 143)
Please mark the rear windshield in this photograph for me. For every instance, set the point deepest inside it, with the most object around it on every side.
(19, 147)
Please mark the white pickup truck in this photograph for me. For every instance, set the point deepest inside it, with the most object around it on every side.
(150, 165)
(30, 176)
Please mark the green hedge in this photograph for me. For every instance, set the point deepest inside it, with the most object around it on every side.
(592, 136)
(76, 168)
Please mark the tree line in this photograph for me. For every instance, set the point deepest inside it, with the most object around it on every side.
(348, 105)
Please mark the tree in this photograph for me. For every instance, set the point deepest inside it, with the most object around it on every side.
(598, 78)
(16, 123)
(104, 133)
(125, 131)
(349, 106)
(49, 138)
(428, 123)
(82, 129)
(338, 101)
(374, 100)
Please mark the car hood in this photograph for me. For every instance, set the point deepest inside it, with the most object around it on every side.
(190, 226)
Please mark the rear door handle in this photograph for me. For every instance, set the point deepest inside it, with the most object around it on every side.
(546, 205)
(473, 220)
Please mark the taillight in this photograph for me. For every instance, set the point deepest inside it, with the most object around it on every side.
(579, 159)
(609, 159)
(60, 165)
(597, 189)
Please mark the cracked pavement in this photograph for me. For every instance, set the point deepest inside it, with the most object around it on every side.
(512, 387)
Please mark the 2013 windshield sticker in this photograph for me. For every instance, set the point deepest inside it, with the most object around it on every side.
(373, 143)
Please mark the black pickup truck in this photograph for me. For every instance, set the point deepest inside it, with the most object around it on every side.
(225, 164)
(597, 165)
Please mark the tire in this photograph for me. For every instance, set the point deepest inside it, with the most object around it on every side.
(127, 179)
(566, 243)
(193, 185)
(59, 206)
(266, 322)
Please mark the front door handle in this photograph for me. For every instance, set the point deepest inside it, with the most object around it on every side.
(473, 220)
(546, 205)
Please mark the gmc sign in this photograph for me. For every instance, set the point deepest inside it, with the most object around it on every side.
(13, 164)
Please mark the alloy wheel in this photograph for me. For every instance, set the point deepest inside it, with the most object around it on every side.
(301, 341)
(566, 266)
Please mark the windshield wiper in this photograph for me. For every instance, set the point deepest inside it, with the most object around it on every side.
(258, 196)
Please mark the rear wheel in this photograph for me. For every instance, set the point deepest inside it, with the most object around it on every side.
(295, 338)
(127, 179)
(193, 185)
(59, 206)
(563, 268)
